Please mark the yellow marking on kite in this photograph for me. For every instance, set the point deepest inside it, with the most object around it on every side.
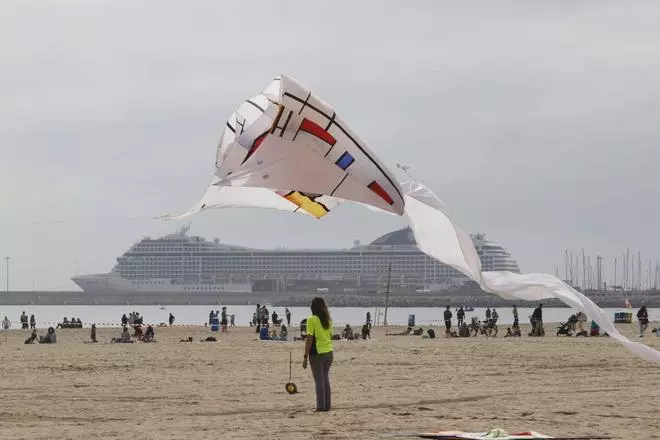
(314, 208)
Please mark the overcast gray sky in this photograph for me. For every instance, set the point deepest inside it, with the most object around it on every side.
(536, 123)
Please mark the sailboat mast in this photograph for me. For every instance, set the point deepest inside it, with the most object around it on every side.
(387, 293)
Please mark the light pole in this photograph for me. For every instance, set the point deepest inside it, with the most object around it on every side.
(7, 264)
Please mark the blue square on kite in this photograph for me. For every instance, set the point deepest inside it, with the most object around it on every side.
(345, 160)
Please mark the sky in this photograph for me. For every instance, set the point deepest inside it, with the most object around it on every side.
(535, 123)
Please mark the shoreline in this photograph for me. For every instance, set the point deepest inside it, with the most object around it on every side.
(293, 299)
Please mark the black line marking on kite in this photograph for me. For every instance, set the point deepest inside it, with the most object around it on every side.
(233, 130)
(270, 100)
(280, 110)
(294, 97)
(288, 118)
(332, 120)
(371, 159)
(242, 124)
(305, 103)
(339, 184)
(256, 105)
(331, 147)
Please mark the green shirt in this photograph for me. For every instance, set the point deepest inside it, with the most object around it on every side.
(322, 337)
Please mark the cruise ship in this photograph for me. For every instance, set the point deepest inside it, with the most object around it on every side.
(183, 263)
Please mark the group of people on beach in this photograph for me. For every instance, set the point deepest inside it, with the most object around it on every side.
(489, 325)
(49, 338)
(221, 318)
(148, 335)
(261, 317)
(266, 325)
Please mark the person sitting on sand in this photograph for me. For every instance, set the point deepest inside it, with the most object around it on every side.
(32, 338)
(49, 338)
(124, 338)
(149, 335)
(186, 340)
(64, 323)
(347, 333)
(137, 331)
(418, 332)
(284, 333)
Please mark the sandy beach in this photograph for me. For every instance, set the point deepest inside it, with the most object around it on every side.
(234, 388)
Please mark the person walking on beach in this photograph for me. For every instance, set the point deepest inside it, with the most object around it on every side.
(643, 318)
(33, 322)
(495, 316)
(447, 316)
(92, 333)
(318, 349)
(223, 320)
(171, 319)
(516, 323)
(460, 316)
(287, 313)
(6, 324)
(537, 321)
(487, 314)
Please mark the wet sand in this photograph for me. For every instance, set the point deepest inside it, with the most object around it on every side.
(234, 388)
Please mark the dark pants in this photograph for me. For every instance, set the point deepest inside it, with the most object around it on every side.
(320, 365)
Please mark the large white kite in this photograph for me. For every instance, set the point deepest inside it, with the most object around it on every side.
(287, 149)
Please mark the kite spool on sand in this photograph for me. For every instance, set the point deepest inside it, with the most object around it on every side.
(290, 387)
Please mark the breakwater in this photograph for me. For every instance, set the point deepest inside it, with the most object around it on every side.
(469, 298)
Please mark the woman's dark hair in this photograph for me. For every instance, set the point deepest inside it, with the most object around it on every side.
(320, 310)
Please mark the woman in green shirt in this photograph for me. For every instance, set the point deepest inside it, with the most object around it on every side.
(318, 348)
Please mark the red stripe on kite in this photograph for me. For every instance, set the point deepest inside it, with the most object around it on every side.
(255, 145)
(314, 129)
(375, 187)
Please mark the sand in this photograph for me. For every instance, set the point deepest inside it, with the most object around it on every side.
(234, 388)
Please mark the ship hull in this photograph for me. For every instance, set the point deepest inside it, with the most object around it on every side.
(112, 284)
